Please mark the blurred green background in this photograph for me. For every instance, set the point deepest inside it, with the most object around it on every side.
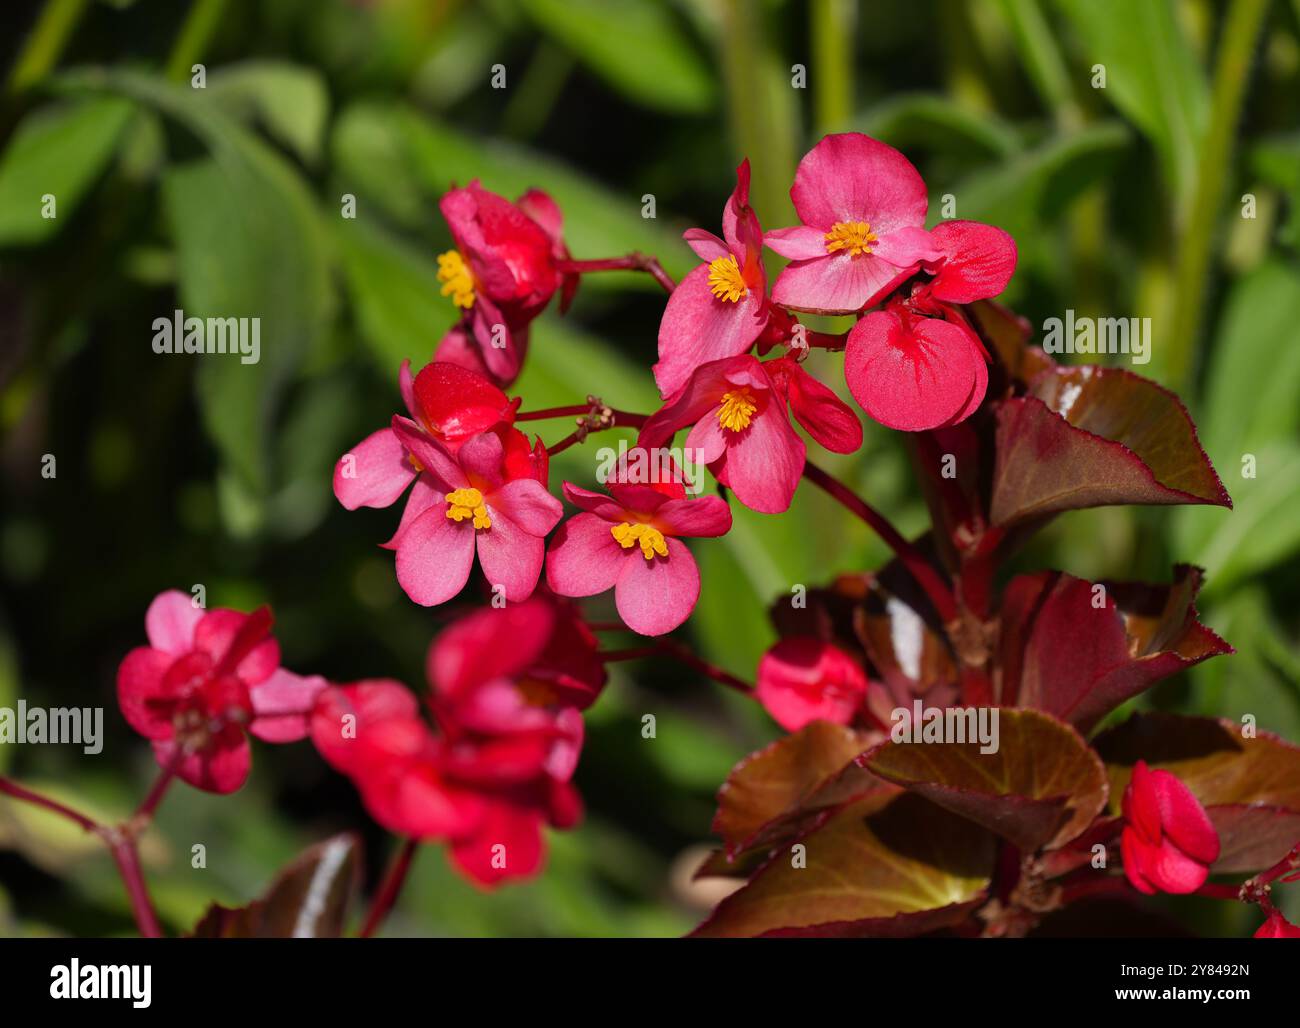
(1127, 200)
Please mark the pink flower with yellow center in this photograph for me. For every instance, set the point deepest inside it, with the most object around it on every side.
(721, 307)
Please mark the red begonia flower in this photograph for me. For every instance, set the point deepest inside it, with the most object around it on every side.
(489, 498)
(802, 679)
(721, 307)
(1168, 842)
(862, 205)
(977, 263)
(1276, 926)
(205, 679)
(742, 431)
(498, 769)
(913, 371)
(501, 273)
(630, 543)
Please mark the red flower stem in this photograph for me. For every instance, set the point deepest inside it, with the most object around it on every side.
(921, 569)
(120, 843)
(554, 412)
(122, 846)
(1222, 892)
(1291, 862)
(165, 777)
(632, 262)
(616, 419)
(389, 888)
(1096, 885)
(680, 652)
(18, 792)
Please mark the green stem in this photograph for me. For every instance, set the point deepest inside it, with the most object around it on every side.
(1042, 60)
(1197, 238)
(832, 25)
(46, 43)
(195, 35)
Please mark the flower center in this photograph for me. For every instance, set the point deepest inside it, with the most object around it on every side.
(468, 503)
(855, 237)
(456, 280)
(725, 279)
(651, 539)
(737, 409)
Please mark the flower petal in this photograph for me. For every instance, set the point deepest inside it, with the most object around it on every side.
(434, 556)
(851, 177)
(837, 283)
(170, 621)
(698, 327)
(282, 705)
(527, 503)
(510, 557)
(978, 261)
(708, 516)
(584, 558)
(374, 473)
(655, 596)
(764, 462)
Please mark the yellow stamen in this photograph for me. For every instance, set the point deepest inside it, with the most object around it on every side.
(737, 409)
(853, 236)
(651, 539)
(468, 503)
(725, 279)
(457, 282)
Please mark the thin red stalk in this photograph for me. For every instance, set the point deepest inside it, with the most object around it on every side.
(19, 792)
(122, 846)
(617, 419)
(554, 412)
(389, 888)
(920, 568)
(1223, 892)
(680, 652)
(1096, 885)
(632, 262)
(1291, 862)
(155, 796)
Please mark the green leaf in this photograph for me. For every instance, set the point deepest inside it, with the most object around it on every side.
(1040, 787)
(404, 161)
(1152, 76)
(927, 119)
(59, 151)
(289, 101)
(888, 864)
(638, 48)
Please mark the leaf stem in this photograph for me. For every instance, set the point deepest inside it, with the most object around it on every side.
(667, 647)
(389, 888)
(632, 262)
(921, 569)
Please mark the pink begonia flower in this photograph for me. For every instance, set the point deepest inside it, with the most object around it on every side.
(916, 364)
(862, 205)
(501, 274)
(742, 431)
(500, 766)
(721, 307)
(977, 261)
(490, 499)
(802, 679)
(206, 678)
(630, 543)
(1168, 842)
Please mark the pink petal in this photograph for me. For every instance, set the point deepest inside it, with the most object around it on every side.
(457, 403)
(1173, 871)
(799, 243)
(512, 834)
(764, 462)
(406, 386)
(700, 393)
(1137, 856)
(584, 558)
(594, 503)
(704, 517)
(434, 556)
(824, 416)
(432, 455)
(852, 177)
(221, 767)
(510, 557)
(282, 706)
(526, 502)
(978, 261)
(837, 284)
(170, 621)
(481, 458)
(373, 473)
(906, 246)
(224, 635)
(697, 327)
(1183, 819)
(341, 717)
(914, 380)
(802, 679)
(706, 245)
(140, 689)
(708, 439)
(424, 494)
(655, 596)
(489, 643)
